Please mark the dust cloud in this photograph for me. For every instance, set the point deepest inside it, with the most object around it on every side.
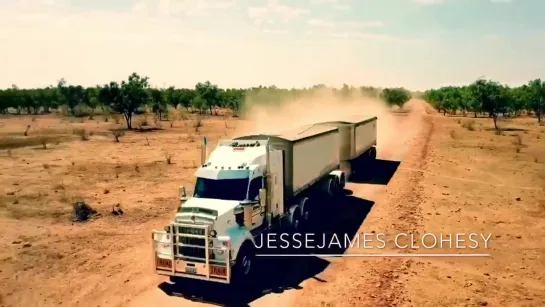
(317, 106)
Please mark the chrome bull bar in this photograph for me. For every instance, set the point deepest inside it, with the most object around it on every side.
(168, 261)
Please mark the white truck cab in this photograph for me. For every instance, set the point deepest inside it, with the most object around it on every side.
(209, 228)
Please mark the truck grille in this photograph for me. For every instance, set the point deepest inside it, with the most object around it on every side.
(190, 230)
(190, 251)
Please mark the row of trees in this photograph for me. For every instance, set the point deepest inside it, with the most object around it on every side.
(491, 98)
(131, 96)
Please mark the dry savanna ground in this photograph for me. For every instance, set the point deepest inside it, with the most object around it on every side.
(46, 259)
(460, 177)
(479, 181)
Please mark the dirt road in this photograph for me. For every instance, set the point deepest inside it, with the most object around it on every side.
(299, 282)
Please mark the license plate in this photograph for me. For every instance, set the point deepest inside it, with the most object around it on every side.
(164, 263)
(191, 270)
(218, 270)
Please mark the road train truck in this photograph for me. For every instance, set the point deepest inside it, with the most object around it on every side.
(257, 184)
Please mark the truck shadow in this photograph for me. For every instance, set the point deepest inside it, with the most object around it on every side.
(289, 267)
(276, 274)
(384, 171)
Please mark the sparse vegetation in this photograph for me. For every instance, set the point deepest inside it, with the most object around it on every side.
(44, 140)
(518, 140)
(168, 157)
(20, 142)
(144, 178)
(118, 134)
(469, 124)
(26, 131)
(491, 99)
(198, 123)
(82, 133)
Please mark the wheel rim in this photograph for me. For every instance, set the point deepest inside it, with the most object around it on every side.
(296, 224)
(246, 265)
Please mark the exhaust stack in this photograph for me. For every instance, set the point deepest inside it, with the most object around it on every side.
(204, 151)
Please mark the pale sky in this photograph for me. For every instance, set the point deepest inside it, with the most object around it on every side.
(241, 43)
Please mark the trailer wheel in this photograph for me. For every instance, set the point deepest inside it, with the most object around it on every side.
(306, 216)
(295, 220)
(331, 187)
(243, 267)
(176, 279)
(372, 154)
(371, 162)
(365, 164)
(336, 187)
(343, 181)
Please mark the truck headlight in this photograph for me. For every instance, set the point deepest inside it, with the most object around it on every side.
(213, 233)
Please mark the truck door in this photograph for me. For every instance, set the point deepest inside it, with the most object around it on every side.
(276, 160)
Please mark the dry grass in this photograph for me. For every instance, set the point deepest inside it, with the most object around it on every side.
(469, 124)
(198, 122)
(21, 142)
(168, 157)
(141, 176)
(117, 134)
(470, 190)
(82, 134)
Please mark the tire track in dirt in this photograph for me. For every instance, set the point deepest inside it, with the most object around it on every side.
(355, 281)
(390, 288)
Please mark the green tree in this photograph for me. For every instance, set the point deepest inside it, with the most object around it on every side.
(395, 96)
(491, 96)
(537, 97)
(90, 99)
(132, 95)
(159, 103)
(209, 94)
(198, 103)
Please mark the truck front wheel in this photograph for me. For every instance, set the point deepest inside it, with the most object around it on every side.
(243, 267)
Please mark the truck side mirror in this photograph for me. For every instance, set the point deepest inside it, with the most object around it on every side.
(263, 197)
(183, 195)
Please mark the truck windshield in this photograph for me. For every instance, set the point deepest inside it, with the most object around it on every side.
(225, 189)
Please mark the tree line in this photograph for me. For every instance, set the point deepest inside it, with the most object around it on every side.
(491, 98)
(133, 95)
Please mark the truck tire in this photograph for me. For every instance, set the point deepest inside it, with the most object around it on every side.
(331, 188)
(296, 221)
(365, 164)
(243, 268)
(371, 162)
(337, 187)
(176, 279)
(306, 213)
